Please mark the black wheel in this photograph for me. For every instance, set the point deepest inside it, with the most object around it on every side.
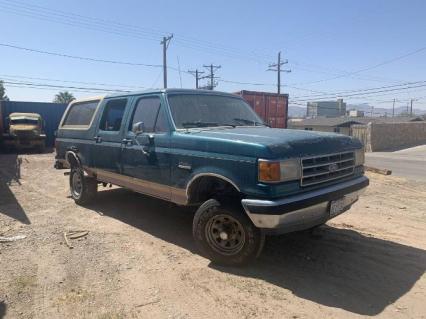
(225, 234)
(83, 188)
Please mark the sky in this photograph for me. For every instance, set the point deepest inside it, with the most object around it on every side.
(331, 46)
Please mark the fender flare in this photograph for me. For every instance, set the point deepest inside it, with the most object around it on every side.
(200, 175)
(72, 159)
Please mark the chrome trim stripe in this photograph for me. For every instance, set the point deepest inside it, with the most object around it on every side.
(325, 155)
(323, 173)
(141, 186)
(328, 163)
(329, 179)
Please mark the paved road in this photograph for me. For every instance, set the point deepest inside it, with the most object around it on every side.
(409, 163)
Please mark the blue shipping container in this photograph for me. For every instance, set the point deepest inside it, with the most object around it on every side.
(50, 112)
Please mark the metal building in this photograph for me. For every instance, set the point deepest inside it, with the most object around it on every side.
(326, 109)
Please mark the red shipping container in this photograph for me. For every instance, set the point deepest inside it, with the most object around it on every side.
(271, 107)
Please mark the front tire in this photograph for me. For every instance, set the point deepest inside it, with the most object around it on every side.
(83, 188)
(225, 234)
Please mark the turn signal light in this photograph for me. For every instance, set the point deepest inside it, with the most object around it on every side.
(269, 171)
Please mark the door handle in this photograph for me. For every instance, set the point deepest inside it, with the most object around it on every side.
(98, 139)
(145, 150)
(127, 141)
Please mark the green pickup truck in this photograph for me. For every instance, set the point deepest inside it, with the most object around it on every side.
(211, 151)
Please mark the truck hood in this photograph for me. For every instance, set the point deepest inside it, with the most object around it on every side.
(272, 143)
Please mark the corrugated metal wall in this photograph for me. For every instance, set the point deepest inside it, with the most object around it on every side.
(51, 113)
(271, 107)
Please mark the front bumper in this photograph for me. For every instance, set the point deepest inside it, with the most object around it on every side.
(302, 211)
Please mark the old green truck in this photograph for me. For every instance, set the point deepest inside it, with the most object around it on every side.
(24, 131)
(210, 150)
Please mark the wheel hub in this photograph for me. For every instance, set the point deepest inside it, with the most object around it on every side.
(225, 234)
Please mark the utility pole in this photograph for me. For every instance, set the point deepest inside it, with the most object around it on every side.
(393, 108)
(212, 68)
(196, 73)
(276, 67)
(165, 43)
(411, 107)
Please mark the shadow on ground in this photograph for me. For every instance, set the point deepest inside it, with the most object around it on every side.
(10, 173)
(2, 309)
(337, 267)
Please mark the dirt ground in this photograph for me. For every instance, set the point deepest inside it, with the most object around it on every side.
(139, 259)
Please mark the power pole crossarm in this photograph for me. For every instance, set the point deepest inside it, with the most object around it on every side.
(212, 68)
(197, 74)
(276, 67)
(165, 43)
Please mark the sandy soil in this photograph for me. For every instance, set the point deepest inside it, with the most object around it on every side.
(139, 259)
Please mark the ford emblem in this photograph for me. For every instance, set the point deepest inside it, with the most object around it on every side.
(333, 167)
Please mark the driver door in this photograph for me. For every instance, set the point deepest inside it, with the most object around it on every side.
(146, 154)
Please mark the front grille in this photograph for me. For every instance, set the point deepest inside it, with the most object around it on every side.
(324, 168)
(24, 134)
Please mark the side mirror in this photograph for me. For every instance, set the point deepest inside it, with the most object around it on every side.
(138, 128)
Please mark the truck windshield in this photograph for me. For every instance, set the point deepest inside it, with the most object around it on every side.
(203, 110)
(24, 121)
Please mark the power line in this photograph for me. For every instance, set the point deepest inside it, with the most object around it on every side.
(114, 27)
(318, 95)
(369, 68)
(62, 86)
(364, 91)
(358, 90)
(8, 76)
(368, 93)
(79, 57)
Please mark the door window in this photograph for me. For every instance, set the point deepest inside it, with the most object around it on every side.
(149, 111)
(113, 115)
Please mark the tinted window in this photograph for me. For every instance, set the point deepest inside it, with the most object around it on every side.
(81, 113)
(149, 111)
(113, 115)
(197, 110)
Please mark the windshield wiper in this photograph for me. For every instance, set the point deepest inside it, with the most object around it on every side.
(198, 124)
(246, 121)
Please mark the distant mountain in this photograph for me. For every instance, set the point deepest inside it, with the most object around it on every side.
(296, 111)
(381, 111)
(300, 111)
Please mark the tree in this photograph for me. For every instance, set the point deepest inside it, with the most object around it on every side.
(64, 97)
(3, 95)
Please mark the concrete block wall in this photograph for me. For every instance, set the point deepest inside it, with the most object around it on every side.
(388, 136)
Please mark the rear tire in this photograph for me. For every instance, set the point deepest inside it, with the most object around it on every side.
(83, 188)
(225, 234)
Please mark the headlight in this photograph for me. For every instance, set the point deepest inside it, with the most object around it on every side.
(279, 171)
(359, 157)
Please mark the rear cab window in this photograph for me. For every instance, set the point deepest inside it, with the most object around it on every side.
(80, 114)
